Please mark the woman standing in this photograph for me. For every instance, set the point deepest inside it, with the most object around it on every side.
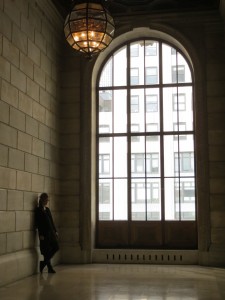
(48, 235)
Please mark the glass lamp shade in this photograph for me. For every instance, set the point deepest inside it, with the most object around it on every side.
(89, 28)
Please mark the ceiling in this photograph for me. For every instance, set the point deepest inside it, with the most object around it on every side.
(124, 7)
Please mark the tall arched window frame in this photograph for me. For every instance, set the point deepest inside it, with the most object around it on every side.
(145, 147)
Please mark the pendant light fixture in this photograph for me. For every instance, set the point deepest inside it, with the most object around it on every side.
(89, 27)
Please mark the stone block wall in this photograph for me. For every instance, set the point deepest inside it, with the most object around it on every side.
(71, 156)
(30, 41)
(216, 136)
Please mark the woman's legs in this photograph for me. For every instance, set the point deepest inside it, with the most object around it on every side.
(47, 258)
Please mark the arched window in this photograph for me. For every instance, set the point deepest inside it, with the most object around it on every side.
(145, 149)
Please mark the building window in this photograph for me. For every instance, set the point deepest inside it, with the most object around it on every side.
(151, 103)
(184, 162)
(173, 51)
(153, 192)
(138, 192)
(104, 193)
(134, 76)
(104, 215)
(138, 163)
(151, 49)
(104, 164)
(152, 163)
(185, 192)
(179, 102)
(178, 74)
(151, 75)
(185, 200)
(134, 103)
(105, 101)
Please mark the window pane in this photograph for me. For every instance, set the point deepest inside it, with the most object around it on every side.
(175, 67)
(104, 129)
(179, 127)
(137, 116)
(138, 200)
(153, 158)
(120, 67)
(120, 199)
(105, 199)
(106, 75)
(172, 208)
(151, 62)
(178, 73)
(151, 48)
(152, 103)
(105, 158)
(153, 199)
(105, 101)
(151, 75)
(185, 106)
(170, 113)
(138, 162)
(152, 107)
(134, 76)
(120, 157)
(120, 111)
(168, 61)
(104, 164)
(135, 128)
(105, 110)
(181, 61)
(134, 49)
(186, 157)
(134, 104)
(186, 196)
(170, 147)
(137, 64)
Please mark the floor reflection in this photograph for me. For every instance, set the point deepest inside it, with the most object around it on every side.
(121, 282)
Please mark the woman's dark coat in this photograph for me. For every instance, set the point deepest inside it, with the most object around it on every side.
(47, 229)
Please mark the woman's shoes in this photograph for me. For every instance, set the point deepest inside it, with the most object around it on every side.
(42, 264)
(51, 270)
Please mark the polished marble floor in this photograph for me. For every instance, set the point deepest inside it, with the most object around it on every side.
(120, 282)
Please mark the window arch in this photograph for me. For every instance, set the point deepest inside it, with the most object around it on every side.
(145, 148)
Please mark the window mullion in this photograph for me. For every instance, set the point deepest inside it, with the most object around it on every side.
(146, 191)
(113, 136)
(129, 190)
(161, 135)
(178, 140)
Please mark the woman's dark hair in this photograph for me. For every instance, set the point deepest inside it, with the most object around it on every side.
(42, 198)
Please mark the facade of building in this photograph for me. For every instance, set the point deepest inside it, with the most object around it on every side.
(55, 105)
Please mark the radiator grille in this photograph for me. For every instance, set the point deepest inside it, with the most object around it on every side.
(145, 256)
